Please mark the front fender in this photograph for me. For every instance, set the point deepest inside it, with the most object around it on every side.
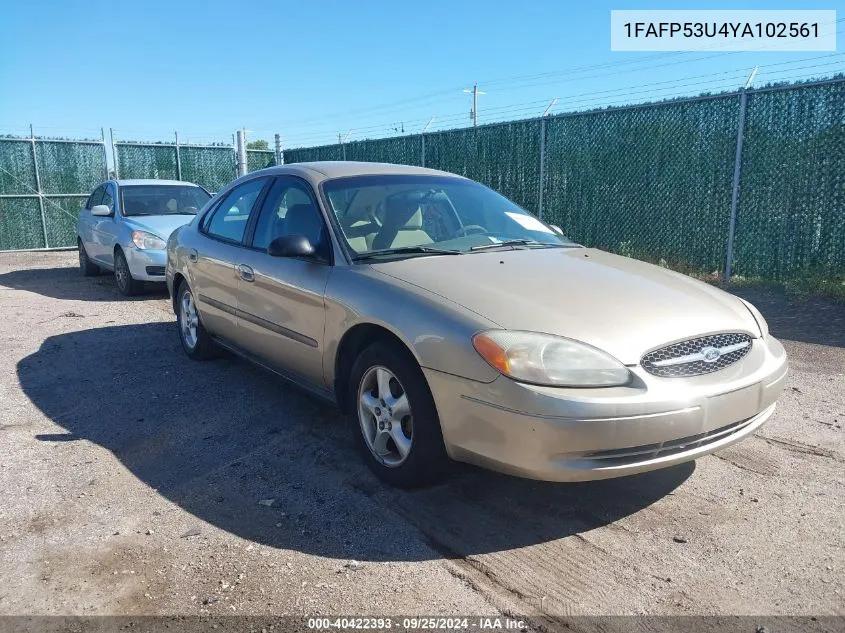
(438, 332)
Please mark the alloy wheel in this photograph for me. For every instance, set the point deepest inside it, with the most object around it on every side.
(188, 320)
(384, 414)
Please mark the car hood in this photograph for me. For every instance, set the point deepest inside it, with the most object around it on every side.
(620, 305)
(161, 225)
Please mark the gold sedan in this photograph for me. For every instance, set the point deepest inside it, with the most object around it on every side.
(449, 323)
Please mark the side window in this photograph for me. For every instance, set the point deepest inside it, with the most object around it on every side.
(288, 210)
(228, 221)
(95, 198)
(108, 197)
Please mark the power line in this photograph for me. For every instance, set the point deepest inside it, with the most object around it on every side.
(628, 91)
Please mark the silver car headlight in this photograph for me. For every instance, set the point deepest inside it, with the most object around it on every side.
(543, 359)
(764, 327)
(147, 241)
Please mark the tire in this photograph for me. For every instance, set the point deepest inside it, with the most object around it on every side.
(200, 346)
(127, 285)
(88, 268)
(425, 460)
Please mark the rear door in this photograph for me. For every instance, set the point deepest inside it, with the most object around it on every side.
(281, 307)
(219, 248)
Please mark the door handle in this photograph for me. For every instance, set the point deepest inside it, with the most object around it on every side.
(192, 255)
(246, 273)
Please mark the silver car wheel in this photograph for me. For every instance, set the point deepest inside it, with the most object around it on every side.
(189, 320)
(121, 273)
(384, 414)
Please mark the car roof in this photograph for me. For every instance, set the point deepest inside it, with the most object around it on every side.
(323, 170)
(151, 181)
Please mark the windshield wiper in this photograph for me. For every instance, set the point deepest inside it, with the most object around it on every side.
(411, 250)
(519, 242)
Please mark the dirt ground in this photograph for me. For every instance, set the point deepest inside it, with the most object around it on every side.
(138, 482)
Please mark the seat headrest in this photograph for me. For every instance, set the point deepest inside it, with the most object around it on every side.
(403, 214)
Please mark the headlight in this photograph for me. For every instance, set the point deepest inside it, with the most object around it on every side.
(147, 241)
(764, 327)
(543, 359)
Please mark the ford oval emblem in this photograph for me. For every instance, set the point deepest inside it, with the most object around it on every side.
(710, 354)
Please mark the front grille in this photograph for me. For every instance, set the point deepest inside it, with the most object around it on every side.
(155, 270)
(687, 357)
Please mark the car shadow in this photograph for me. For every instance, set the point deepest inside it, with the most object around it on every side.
(69, 283)
(239, 449)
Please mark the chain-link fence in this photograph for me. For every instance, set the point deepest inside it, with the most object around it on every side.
(43, 184)
(211, 166)
(665, 182)
(259, 159)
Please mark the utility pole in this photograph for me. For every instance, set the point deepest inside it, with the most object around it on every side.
(473, 114)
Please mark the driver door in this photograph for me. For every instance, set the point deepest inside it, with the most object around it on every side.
(281, 307)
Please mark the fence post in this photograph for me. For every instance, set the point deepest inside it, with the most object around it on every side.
(114, 154)
(38, 186)
(278, 139)
(241, 153)
(542, 166)
(422, 157)
(740, 134)
(178, 158)
(105, 154)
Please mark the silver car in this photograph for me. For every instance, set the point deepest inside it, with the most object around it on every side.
(125, 225)
(449, 323)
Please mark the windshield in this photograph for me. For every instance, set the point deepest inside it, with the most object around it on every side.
(421, 215)
(162, 199)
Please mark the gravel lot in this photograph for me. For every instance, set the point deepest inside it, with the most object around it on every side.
(138, 482)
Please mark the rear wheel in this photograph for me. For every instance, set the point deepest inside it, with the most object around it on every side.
(88, 268)
(123, 276)
(196, 341)
(396, 421)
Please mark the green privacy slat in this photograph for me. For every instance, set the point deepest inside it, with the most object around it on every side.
(61, 214)
(146, 161)
(70, 167)
(210, 167)
(791, 213)
(18, 170)
(20, 224)
(259, 159)
(653, 183)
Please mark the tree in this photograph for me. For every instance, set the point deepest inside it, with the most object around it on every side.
(260, 144)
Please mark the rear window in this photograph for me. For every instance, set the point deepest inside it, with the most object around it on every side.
(162, 199)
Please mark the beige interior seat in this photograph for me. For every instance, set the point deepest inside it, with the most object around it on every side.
(360, 235)
(408, 233)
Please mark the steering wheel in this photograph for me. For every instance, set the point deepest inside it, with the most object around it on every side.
(471, 229)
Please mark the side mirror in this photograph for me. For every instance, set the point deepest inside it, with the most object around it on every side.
(291, 246)
(101, 210)
(556, 229)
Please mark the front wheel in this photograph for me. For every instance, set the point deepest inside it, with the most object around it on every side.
(397, 425)
(196, 341)
(127, 284)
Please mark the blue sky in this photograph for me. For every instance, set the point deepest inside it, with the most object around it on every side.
(309, 70)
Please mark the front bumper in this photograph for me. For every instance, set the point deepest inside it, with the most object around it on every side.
(564, 434)
(146, 265)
